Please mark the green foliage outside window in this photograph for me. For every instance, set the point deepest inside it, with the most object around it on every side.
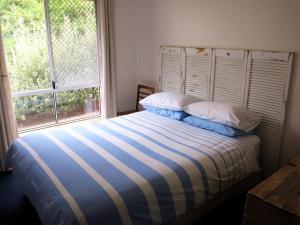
(25, 39)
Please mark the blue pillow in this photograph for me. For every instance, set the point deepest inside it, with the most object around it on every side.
(215, 127)
(176, 115)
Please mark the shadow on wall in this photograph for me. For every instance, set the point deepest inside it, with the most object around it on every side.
(290, 147)
(291, 138)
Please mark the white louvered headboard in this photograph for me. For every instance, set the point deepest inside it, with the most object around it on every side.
(257, 80)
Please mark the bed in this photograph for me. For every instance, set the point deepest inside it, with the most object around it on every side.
(140, 168)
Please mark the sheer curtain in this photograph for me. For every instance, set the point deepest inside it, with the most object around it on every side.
(107, 59)
(8, 128)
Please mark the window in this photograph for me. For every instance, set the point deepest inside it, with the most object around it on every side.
(52, 53)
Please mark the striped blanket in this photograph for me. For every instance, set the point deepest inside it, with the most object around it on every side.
(137, 169)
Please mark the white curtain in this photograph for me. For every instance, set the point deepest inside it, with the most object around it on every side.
(8, 128)
(107, 59)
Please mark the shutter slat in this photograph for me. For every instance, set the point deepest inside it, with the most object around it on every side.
(197, 72)
(267, 83)
(271, 86)
(171, 69)
(228, 76)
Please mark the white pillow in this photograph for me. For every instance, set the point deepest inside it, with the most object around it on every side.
(168, 100)
(228, 114)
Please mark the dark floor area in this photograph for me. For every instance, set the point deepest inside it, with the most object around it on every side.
(230, 212)
(15, 209)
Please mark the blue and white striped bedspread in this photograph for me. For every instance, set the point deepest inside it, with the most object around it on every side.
(137, 169)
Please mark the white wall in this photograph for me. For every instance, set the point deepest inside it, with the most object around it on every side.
(245, 24)
(125, 23)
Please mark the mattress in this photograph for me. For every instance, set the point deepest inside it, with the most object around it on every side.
(140, 168)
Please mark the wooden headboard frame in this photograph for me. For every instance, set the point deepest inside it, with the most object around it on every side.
(257, 80)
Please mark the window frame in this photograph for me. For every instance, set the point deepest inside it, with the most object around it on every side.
(54, 90)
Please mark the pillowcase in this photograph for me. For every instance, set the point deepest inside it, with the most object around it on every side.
(215, 127)
(224, 113)
(168, 100)
(176, 115)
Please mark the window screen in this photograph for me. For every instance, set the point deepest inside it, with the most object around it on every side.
(74, 42)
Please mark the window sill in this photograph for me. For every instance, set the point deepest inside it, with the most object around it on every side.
(61, 124)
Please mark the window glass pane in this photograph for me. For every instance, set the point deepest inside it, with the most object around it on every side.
(25, 41)
(34, 111)
(77, 104)
(73, 34)
(74, 42)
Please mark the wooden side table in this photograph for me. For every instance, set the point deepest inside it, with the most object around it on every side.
(276, 201)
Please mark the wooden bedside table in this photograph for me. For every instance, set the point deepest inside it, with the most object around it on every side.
(276, 201)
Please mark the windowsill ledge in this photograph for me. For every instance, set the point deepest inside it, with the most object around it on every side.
(61, 124)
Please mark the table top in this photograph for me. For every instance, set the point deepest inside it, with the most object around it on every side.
(282, 189)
